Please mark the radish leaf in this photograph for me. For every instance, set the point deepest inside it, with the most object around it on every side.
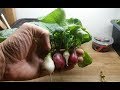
(57, 16)
(86, 60)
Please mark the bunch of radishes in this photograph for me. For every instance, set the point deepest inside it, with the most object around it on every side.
(67, 34)
(60, 60)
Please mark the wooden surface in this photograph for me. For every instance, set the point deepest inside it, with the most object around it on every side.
(108, 63)
(10, 15)
(2, 25)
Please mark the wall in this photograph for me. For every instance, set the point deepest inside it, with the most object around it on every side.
(118, 14)
(96, 20)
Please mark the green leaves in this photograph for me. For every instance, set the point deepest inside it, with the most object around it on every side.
(86, 60)
(57, 16)
(86, 37)
(67, 33)
(4, 34)
(73, 21)
(118, 22)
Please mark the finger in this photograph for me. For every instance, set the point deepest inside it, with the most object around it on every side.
(80, 59)
(46, 41)
(79, 52)
(41, 34)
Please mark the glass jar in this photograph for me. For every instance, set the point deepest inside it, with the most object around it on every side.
(102, 43)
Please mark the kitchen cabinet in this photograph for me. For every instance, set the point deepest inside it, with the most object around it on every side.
(8, 17)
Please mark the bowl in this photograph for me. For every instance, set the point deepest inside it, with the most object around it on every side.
(102, 43)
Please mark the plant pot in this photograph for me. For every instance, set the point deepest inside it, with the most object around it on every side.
(116, 35)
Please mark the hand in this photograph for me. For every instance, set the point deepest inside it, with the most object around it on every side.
(23, 52)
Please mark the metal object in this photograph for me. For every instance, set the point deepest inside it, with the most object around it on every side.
(5, 21)
(102, 77)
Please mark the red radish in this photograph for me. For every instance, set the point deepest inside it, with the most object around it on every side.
(59, 61)
(73, 59)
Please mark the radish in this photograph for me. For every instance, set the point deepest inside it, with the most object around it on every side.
(66, 55)
(73, 58)
(48, 64)
(58, 60)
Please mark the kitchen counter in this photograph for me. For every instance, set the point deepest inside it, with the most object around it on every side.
(108, 63)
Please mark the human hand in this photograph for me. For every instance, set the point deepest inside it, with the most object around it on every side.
(24, 51)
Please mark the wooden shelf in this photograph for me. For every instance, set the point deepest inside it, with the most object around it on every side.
(10, 15)
(2, 25)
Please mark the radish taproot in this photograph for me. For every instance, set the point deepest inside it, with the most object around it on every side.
(73, 58)
(59, 61)
(66, 55)
(48, 63)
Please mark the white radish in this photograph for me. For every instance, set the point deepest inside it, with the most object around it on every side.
(66, 55)
(48, 64)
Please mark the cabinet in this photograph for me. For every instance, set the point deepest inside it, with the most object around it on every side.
(7, 17)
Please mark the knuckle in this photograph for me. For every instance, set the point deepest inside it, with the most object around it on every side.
(26, 25)
(80, 59)
(45, 33)
(80, 52)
